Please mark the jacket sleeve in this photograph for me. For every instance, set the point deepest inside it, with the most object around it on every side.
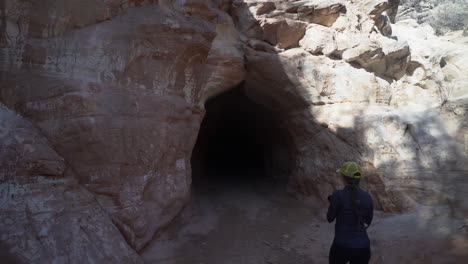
(333, 208)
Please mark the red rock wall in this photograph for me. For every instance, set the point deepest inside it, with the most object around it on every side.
(115, 86)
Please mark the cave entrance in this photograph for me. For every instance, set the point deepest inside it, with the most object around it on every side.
(240, 142)
(241, 164)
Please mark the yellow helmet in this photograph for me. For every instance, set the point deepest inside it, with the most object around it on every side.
(350, 169)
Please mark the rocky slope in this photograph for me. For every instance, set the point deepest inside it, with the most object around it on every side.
(443, 15)
(116, 90)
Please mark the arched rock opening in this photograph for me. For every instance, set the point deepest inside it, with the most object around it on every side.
(240, 141)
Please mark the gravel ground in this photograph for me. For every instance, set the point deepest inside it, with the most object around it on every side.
(259, 222)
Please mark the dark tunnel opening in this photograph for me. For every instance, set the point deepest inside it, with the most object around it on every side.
(240, 142)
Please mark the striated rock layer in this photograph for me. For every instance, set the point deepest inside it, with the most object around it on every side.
(114, 95)
(117, 93)
(47, 217)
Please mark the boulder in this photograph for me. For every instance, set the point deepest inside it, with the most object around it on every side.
(283, 33)
(316, 11)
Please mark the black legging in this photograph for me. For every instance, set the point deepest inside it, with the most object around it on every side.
(341, 255)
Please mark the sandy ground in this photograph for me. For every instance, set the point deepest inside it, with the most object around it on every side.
(259, 222)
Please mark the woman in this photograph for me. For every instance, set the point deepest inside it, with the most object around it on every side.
(353, 210)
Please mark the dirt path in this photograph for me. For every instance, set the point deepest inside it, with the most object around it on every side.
(243, 223)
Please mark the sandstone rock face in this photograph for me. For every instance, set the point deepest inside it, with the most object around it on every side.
(47, 217)
(117, 93)
(114, 99)
(358, 90)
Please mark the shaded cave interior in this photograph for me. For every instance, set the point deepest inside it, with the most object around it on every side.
(240, 142)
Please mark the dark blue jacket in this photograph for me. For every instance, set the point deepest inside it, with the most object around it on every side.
(346, 232)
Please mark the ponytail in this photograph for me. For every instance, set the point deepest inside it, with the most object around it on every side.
(354, 183)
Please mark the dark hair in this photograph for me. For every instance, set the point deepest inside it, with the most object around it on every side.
(354, 183)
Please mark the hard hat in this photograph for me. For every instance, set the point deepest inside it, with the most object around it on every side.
(350, 169)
